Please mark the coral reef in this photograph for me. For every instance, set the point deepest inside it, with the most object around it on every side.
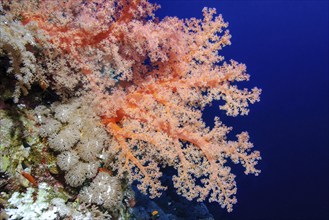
(19, 142)
(118, 96)
(24, 206)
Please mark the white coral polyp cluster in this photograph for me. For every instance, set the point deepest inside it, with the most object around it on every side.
(65, 139)
(67, 159)
(14, 39)
(104, 190)
(40, 205)
(23, 206)
(80, 172)
(74, 131)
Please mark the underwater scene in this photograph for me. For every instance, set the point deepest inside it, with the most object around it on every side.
(164, 110)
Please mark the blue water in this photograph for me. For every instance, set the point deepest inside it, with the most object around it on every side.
(285, 47)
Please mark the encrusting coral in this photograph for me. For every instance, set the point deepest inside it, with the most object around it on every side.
(142, 85)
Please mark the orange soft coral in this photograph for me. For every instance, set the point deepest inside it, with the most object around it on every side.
(159, 123)
(156, 119)
(150, 81)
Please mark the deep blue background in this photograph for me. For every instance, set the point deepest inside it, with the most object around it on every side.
(285, 47)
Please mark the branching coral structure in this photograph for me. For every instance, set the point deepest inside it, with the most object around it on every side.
(149, 82)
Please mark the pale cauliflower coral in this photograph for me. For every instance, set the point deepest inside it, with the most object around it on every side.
(24, 206)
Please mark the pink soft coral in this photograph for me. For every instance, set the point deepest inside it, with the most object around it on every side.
(151, 80)
(156, 117)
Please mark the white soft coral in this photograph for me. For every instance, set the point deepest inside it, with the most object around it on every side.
(23, 206)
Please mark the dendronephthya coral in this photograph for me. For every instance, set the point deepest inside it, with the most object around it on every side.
(114, 96)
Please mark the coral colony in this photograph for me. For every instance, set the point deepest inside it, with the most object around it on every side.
(97, 95)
